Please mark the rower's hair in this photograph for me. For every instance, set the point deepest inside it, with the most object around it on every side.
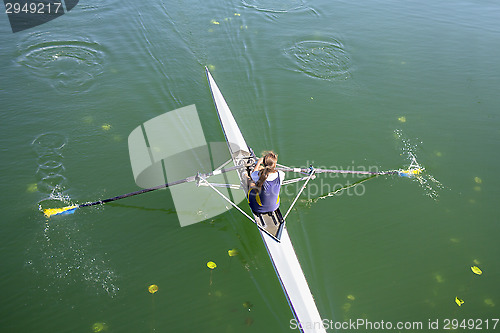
(270, 160)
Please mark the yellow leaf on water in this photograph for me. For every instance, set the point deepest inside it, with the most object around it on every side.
(211, 265)
(438, 278)
(106, 127)
(489, 302)
(402, 119)
(232, 252)
(476, 270)
(478, 180)
(351, 297)
(153, 288)
(459, 301)
(346, 307)
(32, 188)
(99, 327)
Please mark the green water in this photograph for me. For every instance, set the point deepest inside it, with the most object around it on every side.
(335, 82)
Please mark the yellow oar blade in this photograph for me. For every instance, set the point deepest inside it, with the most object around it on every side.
(410, 172)
(58, 211)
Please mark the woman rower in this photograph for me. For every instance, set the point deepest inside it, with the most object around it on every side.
(263, 194)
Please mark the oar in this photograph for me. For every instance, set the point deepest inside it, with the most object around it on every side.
(411, 172)
(71, 209)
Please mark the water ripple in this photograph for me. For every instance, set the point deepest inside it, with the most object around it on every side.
(68, 65)
(50, 167)
(275, 6)
(321, 59)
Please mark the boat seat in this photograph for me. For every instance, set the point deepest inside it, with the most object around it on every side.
(271, 222)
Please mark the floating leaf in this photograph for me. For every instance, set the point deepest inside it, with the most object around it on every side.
(459, 301)
(211, 265)
(346, 307)
(402, 119)
(248, 305)
(476, 270)
(351, 297)
(32, 188)
(99, 327)
(106, 127)
(478, 180)
(232, 252)
(439, 278)
(489, 302)
(153, 288)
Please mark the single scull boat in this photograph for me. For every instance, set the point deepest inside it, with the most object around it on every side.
(274, 235)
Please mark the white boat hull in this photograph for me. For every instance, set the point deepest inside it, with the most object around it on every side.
(281, 253)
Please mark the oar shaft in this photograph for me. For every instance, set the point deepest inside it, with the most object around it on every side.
(177, 182)
(355, 172)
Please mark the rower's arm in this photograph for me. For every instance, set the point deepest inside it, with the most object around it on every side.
(258, 164)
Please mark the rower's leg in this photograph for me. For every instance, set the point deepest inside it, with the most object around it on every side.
(262, 223)
(274, 218)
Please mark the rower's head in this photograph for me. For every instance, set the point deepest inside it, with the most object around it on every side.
(270, 160)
